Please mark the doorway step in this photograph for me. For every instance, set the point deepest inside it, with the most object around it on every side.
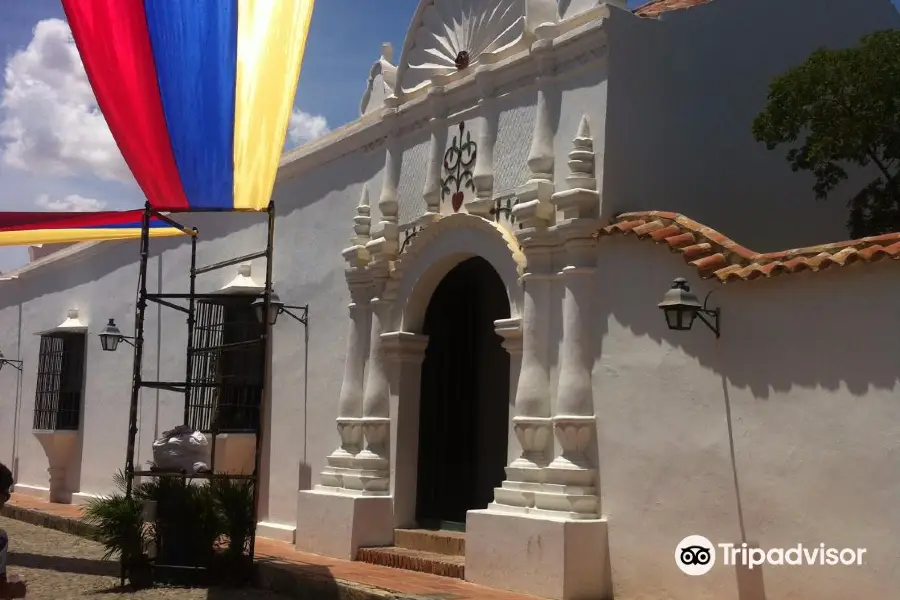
(421, 550)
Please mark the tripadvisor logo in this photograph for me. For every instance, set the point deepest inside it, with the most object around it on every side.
(696, 555)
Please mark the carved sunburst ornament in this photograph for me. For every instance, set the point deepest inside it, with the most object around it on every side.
(454, 35)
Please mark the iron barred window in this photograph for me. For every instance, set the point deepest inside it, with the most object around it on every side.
(60, 382)
(228, 355)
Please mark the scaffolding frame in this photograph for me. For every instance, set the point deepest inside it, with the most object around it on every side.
(186, 386)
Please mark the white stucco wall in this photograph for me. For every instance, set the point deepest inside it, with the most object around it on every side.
(683, 93)
(314, 222)
(808, 365)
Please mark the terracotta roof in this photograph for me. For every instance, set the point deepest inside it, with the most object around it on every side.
(658, 7)
(714, 255)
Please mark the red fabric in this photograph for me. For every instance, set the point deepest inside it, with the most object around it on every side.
(112, 38)
(22, 221)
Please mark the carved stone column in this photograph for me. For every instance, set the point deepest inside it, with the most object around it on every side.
(531, 423)
(404, 353)
(438, 124)
(339, 472)
(340, 462)
(374, 460)
(533, 208)
(564, 513)
(572, 477)
(352, 508)
(386, 245)
(483, 174)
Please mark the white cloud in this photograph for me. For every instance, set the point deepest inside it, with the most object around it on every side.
(305, 127)
(71, 203)
(51, 124)
(49, 120)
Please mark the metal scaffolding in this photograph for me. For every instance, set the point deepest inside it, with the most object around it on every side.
(196, 382)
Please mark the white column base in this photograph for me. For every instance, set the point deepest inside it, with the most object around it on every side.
(337, 523)
(556, 558)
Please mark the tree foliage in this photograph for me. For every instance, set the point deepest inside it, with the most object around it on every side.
(845, 107)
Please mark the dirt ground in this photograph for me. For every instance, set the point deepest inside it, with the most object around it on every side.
(58, 566)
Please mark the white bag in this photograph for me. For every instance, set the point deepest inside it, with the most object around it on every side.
(181, 449)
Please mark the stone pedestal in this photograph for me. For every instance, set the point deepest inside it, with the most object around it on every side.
(339, 524)
(550, 558)
(59, 446)
(340, 462)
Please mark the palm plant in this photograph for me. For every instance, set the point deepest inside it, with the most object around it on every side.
(234, 505)
(120, 527)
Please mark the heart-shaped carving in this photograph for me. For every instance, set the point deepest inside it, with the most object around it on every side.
(456, 201)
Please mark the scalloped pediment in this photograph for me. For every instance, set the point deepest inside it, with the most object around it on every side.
(447, 36)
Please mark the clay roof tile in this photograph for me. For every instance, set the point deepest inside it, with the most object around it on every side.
(657, 7)
(715, 255)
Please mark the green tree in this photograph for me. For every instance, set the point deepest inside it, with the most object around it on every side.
(845, 105)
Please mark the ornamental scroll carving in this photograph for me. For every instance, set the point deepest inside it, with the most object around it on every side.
(459, 159)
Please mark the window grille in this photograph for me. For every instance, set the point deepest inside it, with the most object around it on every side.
(60, 382)
(228, 357)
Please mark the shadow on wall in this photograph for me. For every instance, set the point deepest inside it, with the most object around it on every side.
(808, 330)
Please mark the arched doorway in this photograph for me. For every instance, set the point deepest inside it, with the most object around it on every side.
(464, 401)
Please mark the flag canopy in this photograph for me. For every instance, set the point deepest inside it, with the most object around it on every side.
(198, 94)
(28, 228)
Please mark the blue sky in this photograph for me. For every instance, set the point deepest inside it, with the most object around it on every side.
(55, 150)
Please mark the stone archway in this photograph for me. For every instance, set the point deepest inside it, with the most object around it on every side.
(432, 257)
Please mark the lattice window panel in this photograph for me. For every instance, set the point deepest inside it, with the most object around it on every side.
(60, 382)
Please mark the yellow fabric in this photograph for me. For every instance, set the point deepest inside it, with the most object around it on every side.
(65, 236)
(271, 40)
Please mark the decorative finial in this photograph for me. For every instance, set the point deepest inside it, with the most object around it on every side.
(581, 158)
(581, 200)
(362, 221)
(387, 52)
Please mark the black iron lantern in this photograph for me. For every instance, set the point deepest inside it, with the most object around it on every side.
(276, 306)
(111, 336)
(681, 307)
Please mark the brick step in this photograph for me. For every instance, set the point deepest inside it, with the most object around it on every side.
(414, 560)
(451, 543)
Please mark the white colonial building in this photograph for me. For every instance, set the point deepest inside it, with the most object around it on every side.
(504, 368)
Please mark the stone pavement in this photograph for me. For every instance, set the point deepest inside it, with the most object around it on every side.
(301, 575)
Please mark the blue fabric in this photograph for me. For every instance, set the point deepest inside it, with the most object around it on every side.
(195, 49)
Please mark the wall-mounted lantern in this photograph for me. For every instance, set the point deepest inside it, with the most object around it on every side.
(681, 307)
(276, 307)
(16, 364)
(111, 336)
